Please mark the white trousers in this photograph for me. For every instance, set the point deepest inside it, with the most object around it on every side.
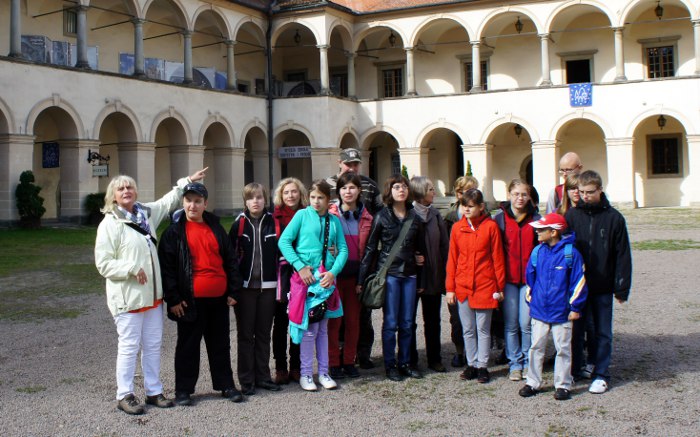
(137, 331)
(476, 330)
(561, 334)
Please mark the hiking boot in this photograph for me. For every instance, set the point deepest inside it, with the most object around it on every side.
(232, 395)
(392, 373)
(183, 399)
(337, 373)
(527, 391)
(130, 405)
(468, 374)
(159, 401)
(365, 363)
(351, 371)
(410, 372)
(562, 394)
(515, 375)
(483, 375)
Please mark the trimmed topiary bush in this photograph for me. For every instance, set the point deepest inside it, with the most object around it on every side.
(30, 205)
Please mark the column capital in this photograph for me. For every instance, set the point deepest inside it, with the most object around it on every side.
(544, 144)
(693, 138)
(475, 43)
(621, 141)
(81, 8)
(409, 49)
(543, 36)
(618, 29)
(17, 139)
(323, 47)
(137, 147)
(412, 151)
(350, 55)
(476, 147)
(138, 21)
(230, 42)
(187, 33)
(229, 151)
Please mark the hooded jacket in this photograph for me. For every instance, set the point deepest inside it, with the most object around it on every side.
(554, 288)
(475, 265)
(602, 240)
(176, 262)
(519, 238)
(244, 246)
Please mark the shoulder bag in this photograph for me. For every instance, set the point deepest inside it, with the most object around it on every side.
(374, 288)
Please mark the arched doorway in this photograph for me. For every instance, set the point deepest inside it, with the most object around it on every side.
(294, 155)
(170, 137)
(384, 159)
(511, 146)
(256, 166)
(587, 140)
(445, 159)
(216, 140)
(116, 131)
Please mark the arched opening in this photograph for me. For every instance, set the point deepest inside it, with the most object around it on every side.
(587, 139)
(349, 141)
(384, 159)
(381, 62)
(116, 132)
(209, 51)
(296, 61)
(170, 141)
(511, 146)
(294, 155)
(217, 139)
(256, 166)
(338, 50)
(660, 162)
(445, 159)
(440, 43)
(54, 128)
(249, 55)
(163, 41)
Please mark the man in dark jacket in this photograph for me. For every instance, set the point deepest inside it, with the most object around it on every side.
(200, 282)
(602, 240)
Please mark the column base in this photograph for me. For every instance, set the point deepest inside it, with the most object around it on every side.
(546, 83)
(476, 89)
(139, 74)
(411, 93)
(15, 55)
(620, 79)
(83, 65)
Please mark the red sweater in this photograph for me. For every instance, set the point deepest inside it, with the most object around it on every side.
(518, 241)
(208, 276)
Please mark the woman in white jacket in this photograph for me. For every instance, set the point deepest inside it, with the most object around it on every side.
(127, 257)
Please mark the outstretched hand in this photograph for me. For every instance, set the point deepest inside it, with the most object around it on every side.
(199, 175)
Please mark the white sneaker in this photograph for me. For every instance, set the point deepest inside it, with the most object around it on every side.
(327, 382)
(587, 371)
(307, 383)
(599, 386)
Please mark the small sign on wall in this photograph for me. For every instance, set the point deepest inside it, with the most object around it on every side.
(294, 152)
(100, 170)
(580, 94)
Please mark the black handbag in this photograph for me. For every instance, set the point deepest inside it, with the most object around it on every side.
(318, 312)
(374, 287)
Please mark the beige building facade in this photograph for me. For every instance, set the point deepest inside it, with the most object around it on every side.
(164, 87)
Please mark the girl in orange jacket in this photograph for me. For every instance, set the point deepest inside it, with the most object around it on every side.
(475, 279)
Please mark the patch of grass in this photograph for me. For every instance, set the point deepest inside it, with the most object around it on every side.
(556, 430)
(71, 381)
(666, 245)
(417, 425)
(31, 389)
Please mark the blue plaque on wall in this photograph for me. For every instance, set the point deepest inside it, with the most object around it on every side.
(49, 155)
(581, 94)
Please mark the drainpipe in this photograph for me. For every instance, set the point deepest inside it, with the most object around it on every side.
(270, 129)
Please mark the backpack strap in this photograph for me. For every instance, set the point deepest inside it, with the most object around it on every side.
(569, 255)
(533, 256)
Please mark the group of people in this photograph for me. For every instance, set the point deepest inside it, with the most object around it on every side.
(294, 275)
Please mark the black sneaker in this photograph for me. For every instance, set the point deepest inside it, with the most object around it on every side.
(393, 374)
(458, 360)
(365, 363)
(410, 372)
(337, 373)
(232, 395)
(562, 394)
(130, 405)
(248, 389)
(527, 391)
(351, 371)
(183, 399)
(483, 375)
(468, 374)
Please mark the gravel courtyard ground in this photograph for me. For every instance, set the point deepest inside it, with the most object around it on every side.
(57, 375)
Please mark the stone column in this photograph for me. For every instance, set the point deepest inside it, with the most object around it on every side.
(545, 170)
(480, 157)
(544, 48)
(351, 75)
(138, 161)
(619, 188)
(16, 155)
(231, 78)
(185, 160)
(324, 162)
(619, 55)
(689, 187)
(82, 39)
(77, 180)
(323, 53)
(139, 62)
(476, 67)
(229, 171)
(415, 159)
(410, 73)
(15, 30)
(696, 45)
(187, 36)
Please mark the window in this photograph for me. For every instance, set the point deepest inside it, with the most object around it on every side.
(664, 156)
(259, 86)
(243, 86)
(339, 83)
(70, 21)
(392, 82)
(469, 78)
(659, 55)
(577, 67)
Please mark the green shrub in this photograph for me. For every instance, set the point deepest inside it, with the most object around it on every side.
(30, 205)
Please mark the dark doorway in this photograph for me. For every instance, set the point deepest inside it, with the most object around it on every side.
(578, 71)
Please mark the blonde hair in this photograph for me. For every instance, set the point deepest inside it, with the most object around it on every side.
(116, 183)
(464, 183)
(570, 183)
(253, 188)
(303, 193)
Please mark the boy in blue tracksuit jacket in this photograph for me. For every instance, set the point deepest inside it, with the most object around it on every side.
(556, 294)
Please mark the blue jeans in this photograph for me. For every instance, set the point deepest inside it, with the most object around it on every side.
(599, 308)
(399, 309)
(516, 314)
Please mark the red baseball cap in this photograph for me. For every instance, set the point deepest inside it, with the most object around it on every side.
(552, 220)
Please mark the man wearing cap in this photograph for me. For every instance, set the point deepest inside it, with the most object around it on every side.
(570, 163)
(350, 160)
(556, 295)
(200, 282)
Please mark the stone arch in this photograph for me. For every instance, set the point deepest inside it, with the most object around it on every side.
(7, 121)
(180, 10)
(604, 126)
(428, 21)
(248, 127)
(345, 32)
(219, 17)
(368, 28)
(532, 131)
(370, 132)
(444, 125)
(297, 127)
(283, 25)
(131, 5)
(488, 19)
(170, 113)
(255, 23)
(634, 4)
(348, 131)
(216, 118)
(564, 6)
(118, 107)
(685, 122)
(55, 101)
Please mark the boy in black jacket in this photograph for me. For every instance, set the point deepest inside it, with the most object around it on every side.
(602, 239)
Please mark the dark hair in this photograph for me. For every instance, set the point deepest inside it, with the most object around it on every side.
(395, 179)
(322, 186)
(473, 195)
(349, 177)
(590, 177)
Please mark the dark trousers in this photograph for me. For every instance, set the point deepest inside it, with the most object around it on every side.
(348, 325)
(212, 323)
(366, 338)
(456, 331)
(254, 312)
(431, 327)
(599, 307)
(280, 338)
